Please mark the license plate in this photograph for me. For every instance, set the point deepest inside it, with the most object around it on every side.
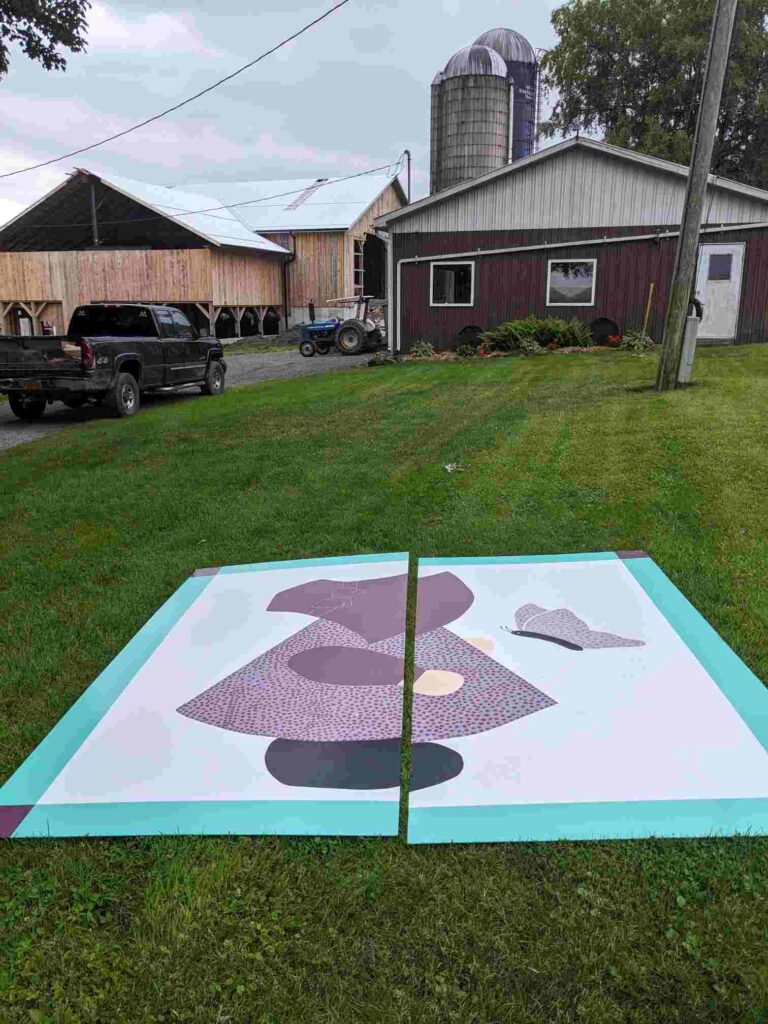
(33, 385)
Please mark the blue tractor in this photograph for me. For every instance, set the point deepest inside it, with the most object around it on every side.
(350, 337)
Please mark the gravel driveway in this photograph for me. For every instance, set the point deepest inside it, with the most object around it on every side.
(243, 369)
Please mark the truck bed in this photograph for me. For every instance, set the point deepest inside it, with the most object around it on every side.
(38, 354)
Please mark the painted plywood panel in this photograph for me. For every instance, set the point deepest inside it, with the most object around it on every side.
(578, 697)
(260, 699)
(577, 189)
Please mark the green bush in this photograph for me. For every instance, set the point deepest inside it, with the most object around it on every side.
(512, 336)
(466, 351)
(579, 333)
(422, 350)
(636, 340)
(533, 333)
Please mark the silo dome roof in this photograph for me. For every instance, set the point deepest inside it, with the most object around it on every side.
(475, 60)
(510, 44)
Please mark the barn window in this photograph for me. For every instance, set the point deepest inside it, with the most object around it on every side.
(452, 284)
(359, 268)
(720, 264)
(571, 282)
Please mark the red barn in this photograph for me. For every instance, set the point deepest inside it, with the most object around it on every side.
(579, 229)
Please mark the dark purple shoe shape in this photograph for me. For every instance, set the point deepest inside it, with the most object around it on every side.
(359, 764)
(560, 626)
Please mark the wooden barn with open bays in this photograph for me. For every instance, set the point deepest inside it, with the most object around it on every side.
(579, 229)
(99, 239)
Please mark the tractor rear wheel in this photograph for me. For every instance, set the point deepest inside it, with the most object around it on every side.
(351, 338)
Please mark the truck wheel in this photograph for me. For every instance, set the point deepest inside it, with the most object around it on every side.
(26, 408)
(124, 397)
(214, 379)
(351, 338)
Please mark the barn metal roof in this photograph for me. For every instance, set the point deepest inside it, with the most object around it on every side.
(552, 152)
(299, 204)
(510, 44)
(219, 226)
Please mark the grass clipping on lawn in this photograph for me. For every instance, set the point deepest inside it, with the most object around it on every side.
(101, 523)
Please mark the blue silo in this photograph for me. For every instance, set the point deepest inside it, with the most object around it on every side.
(523, 72)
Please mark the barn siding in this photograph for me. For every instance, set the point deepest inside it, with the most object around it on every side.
(577, 188)
(317, 273)
(156, 275)
(239, 279)
(514, 285)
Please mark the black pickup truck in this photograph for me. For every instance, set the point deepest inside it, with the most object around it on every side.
(112, 352)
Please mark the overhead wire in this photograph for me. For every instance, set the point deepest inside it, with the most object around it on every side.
(182, 103)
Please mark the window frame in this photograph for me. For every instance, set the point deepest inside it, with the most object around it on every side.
(161, 323)
(452, 263)
(592, 260)
(184, 323)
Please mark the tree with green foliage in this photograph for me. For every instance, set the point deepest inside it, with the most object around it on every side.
(633, 71)
(40, 27)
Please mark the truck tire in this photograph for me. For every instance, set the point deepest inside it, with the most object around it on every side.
(213, 384)
(351, 338)
(26, 408)
(124, 398)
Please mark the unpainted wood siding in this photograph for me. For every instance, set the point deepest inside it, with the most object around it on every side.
(318, 272)
(578, 188)
(390, 199)
(239, 279)
(157, 275)
(515, 285)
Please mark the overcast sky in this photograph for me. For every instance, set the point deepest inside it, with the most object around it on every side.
(350, 94)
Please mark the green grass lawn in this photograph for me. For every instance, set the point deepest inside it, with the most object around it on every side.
(101, 523)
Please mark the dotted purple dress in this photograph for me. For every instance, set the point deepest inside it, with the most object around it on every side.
(338, 679)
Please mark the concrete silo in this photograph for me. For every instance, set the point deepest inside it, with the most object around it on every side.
(523, 71)
(471, 105)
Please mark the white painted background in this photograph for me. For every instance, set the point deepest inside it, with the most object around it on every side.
(143, 749)
(641, 723)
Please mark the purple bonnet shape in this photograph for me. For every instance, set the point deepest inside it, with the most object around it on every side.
(375, 609)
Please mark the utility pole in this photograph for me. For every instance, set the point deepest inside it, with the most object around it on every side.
(686, 261)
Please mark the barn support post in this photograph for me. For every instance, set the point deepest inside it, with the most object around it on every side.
(686, 261)
(238, 311)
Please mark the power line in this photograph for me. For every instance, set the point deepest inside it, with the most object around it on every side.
(183, 103)
(230, 206)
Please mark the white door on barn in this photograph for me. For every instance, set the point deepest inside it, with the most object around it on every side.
(718, 286)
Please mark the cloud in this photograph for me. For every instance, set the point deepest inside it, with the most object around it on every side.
(171, 33)
(271, 148)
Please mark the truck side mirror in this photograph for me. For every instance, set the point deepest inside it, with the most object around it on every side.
(204, 332)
